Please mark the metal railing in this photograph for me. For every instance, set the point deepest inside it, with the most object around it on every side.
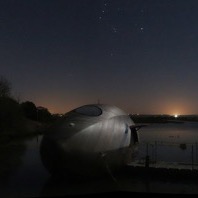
(156, 151)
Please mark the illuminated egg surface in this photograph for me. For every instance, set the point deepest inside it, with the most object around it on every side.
(88, 141)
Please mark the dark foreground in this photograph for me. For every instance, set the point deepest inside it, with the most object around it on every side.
(130, 181)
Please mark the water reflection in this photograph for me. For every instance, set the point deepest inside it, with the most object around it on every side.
(180, 133)
(11, 159)
(170, 142)
(11, 155)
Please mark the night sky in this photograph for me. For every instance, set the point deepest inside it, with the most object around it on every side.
(140, 55)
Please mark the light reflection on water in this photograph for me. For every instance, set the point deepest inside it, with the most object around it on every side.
(30, 178)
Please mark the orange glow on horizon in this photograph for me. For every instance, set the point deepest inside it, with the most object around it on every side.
(62, 109)
(59, 106)
(59, 109)
(176, 107)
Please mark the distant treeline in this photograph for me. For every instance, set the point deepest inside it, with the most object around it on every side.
(163, 118)
(21, 117)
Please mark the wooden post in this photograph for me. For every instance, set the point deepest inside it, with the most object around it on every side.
(147, 162)
(156, 151)
(147, 157)
(196, 152)
(192, 153)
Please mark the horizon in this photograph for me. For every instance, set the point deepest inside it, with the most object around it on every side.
(130, 113)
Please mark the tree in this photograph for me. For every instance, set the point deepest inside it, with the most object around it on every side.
(11, 118)
(10, 115)
(29, 109)
(5, 87)
(43, 114)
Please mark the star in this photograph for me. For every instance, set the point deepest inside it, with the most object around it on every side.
(115, 30)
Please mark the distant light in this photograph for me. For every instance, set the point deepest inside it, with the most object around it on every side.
(175, 115)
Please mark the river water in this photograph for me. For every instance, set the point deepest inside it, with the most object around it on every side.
(25, 175)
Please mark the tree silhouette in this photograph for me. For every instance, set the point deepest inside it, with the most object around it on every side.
(29, 109)
(43, 114)
(10, 115)
(5, 87)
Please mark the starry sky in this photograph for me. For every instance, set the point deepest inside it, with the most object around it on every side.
(140, 55)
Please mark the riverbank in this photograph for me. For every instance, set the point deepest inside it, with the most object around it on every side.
(163, 118)
(30, 129)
